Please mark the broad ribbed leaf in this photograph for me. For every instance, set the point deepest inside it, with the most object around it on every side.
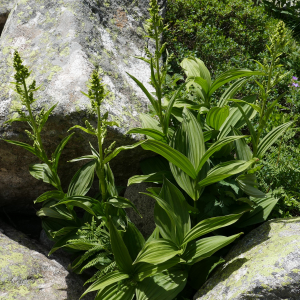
(149, 122)
(119, 149)
(116, 291)
(50, 194)
(198, 250)
(144, 270)
(82, 180)
(209, 225)
(133, 240)
(52, 213)
(157, 252)
(178, 206)
(172, 155)
(210, 134)
(243, 152)
(85, 157)
(225, 170)
(260, 213)
(195, 67)
(162, 286)
(231, 91)
(154, 177)
(120, 251)
(63, 231)
(59, 150)
(247, 183)
(153, 133)
(84, 204)
(106, 280)
(232, 75)
(271, 138)
(189, 141)
(170, 106)
(217, 116)
(216, 147)
(236, 119)
(250, 127)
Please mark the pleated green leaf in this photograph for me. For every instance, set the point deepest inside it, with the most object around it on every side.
(157, 252)
(209, 225)
(116, 291)
(120, 251)
(52, 213)
(153, 133)
(225, 170)
(162, 286)
(198, 250)
(217, 116)
(231, 91)
(264, 207)
(247, 183)
(154, 177)
(50, 194)
(172, 155)
(82, 180)
(243, 152)
(230, 76)
(106, 281)
(216, 147)
(271, 138)
(144, 270)
(189, 141)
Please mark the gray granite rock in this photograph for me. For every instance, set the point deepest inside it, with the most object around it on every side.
(265, 264)
(145, 206)
(27, 274)
(62, 42)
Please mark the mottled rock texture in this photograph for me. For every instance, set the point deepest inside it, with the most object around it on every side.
(5, 7)
(145, 205)
(265, 264)
(27, 274)
(62, 41)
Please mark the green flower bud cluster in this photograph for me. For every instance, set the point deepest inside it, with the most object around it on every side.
(110, 148)
(278, 40)
(22, 73)
(96, 91)
(155, 25)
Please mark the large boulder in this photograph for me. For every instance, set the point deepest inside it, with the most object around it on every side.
(62, 42)
(26, 273)
(144, 204)
(265, 264)
(5, 8)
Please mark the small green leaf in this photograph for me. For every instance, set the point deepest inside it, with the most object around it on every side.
(50, 194)
(154, 177)
(119, 149)
(83, 129)
(153, 133)
(122, 202)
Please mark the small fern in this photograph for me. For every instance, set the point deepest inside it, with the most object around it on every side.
(110, 268)
(95, 241)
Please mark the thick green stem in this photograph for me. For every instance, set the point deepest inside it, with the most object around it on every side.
(102, 185)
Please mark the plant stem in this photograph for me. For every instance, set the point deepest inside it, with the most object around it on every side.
(102, 185)
(38, 137)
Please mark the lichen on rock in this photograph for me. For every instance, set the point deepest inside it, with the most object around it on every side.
(265, 264)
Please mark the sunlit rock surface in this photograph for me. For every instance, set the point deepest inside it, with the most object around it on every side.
(265, 264)
(62, 42)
